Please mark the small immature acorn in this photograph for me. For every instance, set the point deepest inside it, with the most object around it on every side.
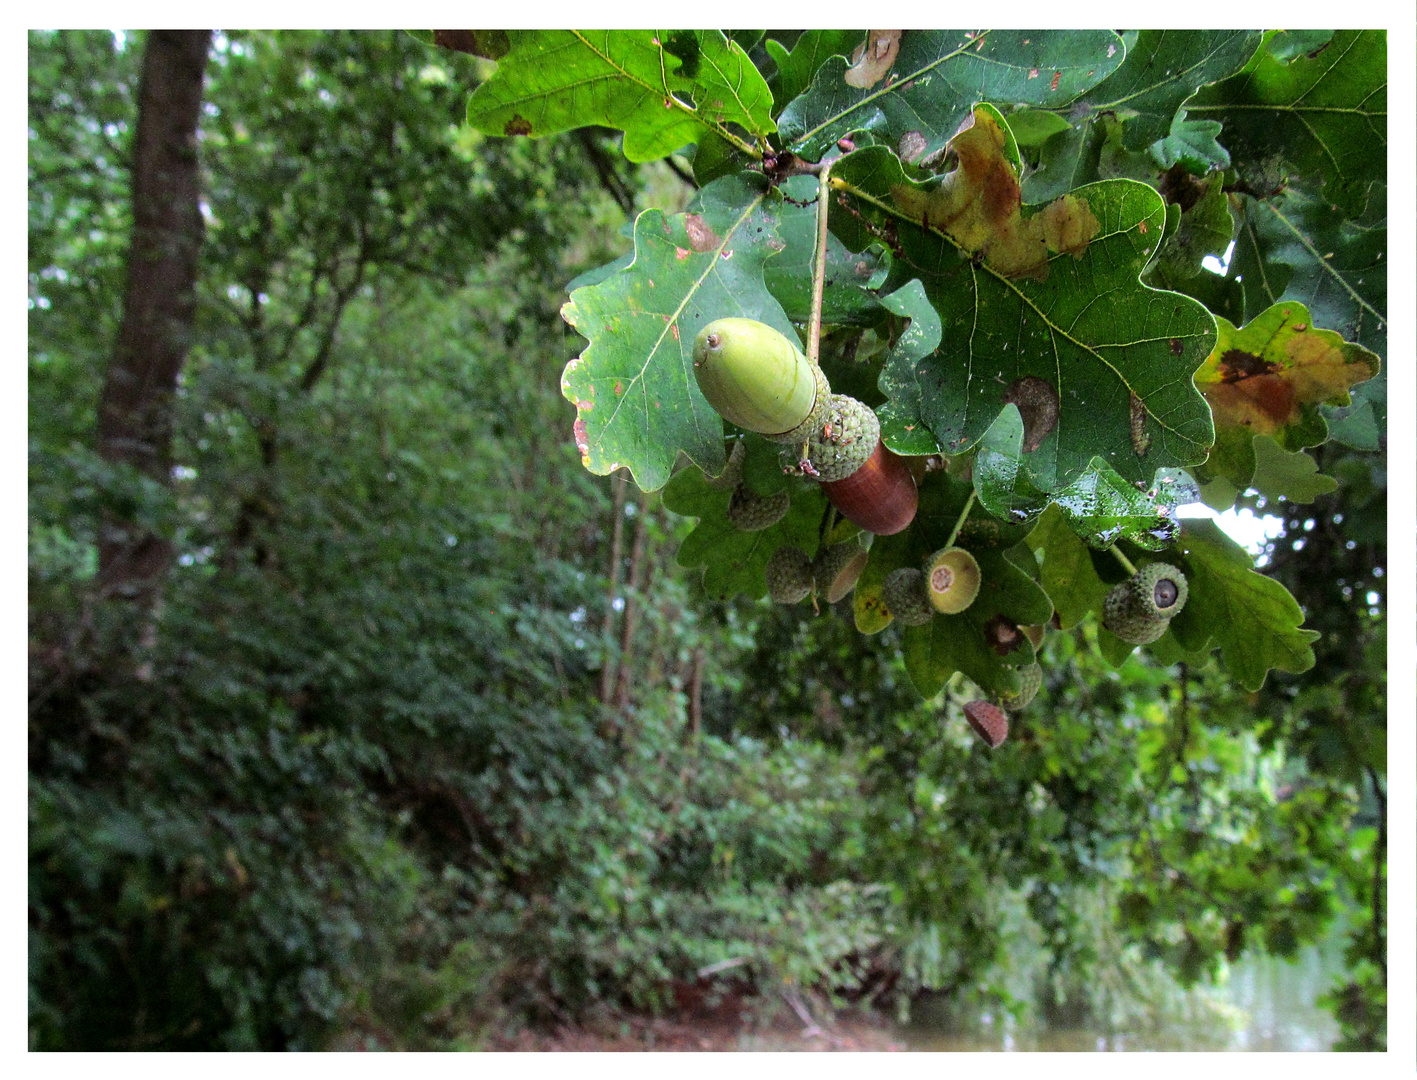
(1139, 609)
(789, 574)
(838, 568)
(904, 596)
(754, 376)
(988, 721)
(753, 513)
(951, 580)
(1031, 676)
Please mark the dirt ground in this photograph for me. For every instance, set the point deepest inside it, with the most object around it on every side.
(706, 1035)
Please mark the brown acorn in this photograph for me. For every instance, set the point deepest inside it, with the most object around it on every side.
(837, 569)
(989, 722)
(880, 496)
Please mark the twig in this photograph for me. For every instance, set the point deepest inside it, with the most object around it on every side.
(1126, 562)
(819, 267)
(959, 522)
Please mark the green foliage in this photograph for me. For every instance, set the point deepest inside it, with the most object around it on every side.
(428, 738)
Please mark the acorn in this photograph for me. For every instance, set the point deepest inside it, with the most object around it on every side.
(837, 569)
(989, 722)
(1031, 679)
(868, 484)
(1140, 609)
(732, 474)
(750, 512)
(904, 596)
(789, 575)
(951, 580)
(754, 376)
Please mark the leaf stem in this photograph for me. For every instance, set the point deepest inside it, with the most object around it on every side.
(819, 266)
(1126, 562)
(959, 522)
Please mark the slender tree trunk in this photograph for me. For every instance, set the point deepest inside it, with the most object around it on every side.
(632, 613)
(135, 421)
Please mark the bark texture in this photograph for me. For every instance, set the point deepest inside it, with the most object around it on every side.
(135, 419)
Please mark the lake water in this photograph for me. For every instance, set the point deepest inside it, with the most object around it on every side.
(1264, 1004)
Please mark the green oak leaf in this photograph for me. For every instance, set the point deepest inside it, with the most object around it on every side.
(1191, 143)
(1069, 575)
(847, 298)
(1252, 618)
(1114, 355)
(1323, 115)
(809, 52)
(664, 89)
(938, 75)
(1269, 378)
(1204, 228)
(638, 401)
(1286, 45)
(1034, 127)
(734, 561)
(1161, 70)
(901, 429)
(1280, 474)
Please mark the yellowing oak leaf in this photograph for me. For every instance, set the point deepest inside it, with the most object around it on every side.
(1265, 376)
(979, 207)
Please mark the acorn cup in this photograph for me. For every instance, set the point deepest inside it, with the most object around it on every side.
(789, 575)
(1031, 677)
(904, 594)
(757, 378)
(951, 580)
(838, 568)
(1140, 609)
(750, 512)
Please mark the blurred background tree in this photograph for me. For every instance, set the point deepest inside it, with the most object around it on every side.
(423, 736)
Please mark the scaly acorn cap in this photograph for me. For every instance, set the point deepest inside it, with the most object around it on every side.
(1140, 609)
(904, 596)
(1031, 677)
(951, 580)
(732, 474)
(988, 721)
(789, 574)
(838, 568)
(753, 513)
(754, 376)
(1120, 615)
(846, 437)
(1160, 589)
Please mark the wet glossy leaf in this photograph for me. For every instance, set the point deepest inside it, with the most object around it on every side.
(663, 89)
(938, 75)
(1252, 618)
(634, 387)
(1118, 370)
(1324, 115)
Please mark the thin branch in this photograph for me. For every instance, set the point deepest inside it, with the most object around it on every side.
(678, 171)
(819, 267)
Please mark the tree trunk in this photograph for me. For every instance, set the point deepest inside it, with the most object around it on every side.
(135, 421)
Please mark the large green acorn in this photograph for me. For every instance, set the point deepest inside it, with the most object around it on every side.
(951, 580)
(904, 594)
(1140, 609)
(789, 575)
(755, 377)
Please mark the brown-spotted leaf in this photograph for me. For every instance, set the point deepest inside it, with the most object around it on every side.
(1269, 378)
(979, 207)
(873, 58)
